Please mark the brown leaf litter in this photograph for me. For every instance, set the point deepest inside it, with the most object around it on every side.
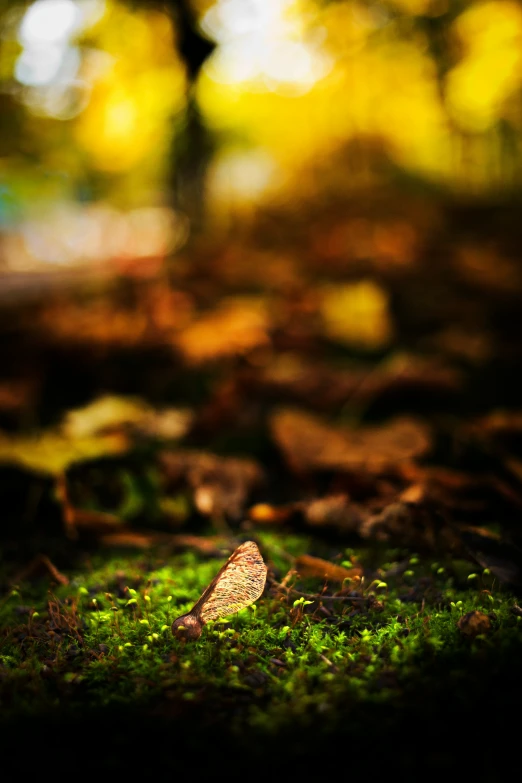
(310, 444)
(220, 485)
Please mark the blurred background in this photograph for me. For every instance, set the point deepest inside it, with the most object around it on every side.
(125, 125)
(258, 175)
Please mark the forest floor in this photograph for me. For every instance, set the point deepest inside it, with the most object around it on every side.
(344, 390)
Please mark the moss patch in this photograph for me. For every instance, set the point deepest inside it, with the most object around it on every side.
(388, 650)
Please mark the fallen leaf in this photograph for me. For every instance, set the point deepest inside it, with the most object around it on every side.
(103, 415)
(501, 424)
(474, 623)
(51, 452)
(235, 328)
(166, 423)
(210, 546)
(310, 444)
(357, 314)
(416, 526)
(79, 520)
(98, 322)
(265, 514)
(415, 493)
(128, 539)
(334, 511)
(292, 378)
(307, 566)
(112, 414)
(17, 394)
(487, 267)
(220, 485)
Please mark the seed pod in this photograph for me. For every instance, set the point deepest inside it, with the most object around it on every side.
(239, 583)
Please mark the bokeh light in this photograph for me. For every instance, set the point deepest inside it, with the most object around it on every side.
(296, 96)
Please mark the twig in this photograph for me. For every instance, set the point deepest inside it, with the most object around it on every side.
(328, 662)
(40, 564)
(318, 596)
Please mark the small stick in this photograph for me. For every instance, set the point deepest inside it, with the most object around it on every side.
(318, 596)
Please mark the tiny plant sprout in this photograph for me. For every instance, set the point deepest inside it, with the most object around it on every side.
(237, 585)
(301, 602)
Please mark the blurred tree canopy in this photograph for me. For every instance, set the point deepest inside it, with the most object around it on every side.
(131, 101)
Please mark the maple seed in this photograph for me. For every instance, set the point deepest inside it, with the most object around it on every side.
(188, 627)
(238, 584)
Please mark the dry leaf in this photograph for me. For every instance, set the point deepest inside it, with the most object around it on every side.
(18, 394)
(79, 520)
(237, 327)
(414, 526)
(210, 546)
(290, 377)
(334, 511)
(104, 414)
(474, 623)
(307, 566)
(221, 485)
(485, 266)
(52, 452)
(310, 444)
(99, 322)
(111, 413)
(265, 514)
(357, 314)
(129, 539)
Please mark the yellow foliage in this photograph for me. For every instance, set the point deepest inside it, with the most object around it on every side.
(348, 26)
(128, 119)
(414, 7)
(104, 427)
(316, 77)
(491, 69)
(104, 414)
(387, 90)
(52, 452)
(357, 314)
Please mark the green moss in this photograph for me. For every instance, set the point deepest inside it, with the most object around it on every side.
(104, 641)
